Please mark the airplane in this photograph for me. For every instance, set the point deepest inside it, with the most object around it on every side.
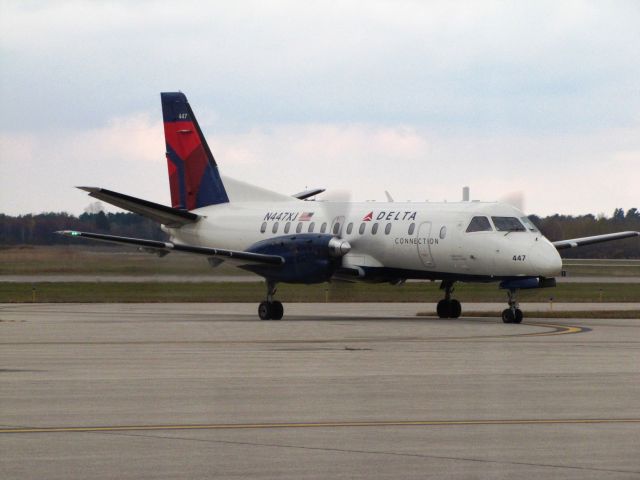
(293, 239)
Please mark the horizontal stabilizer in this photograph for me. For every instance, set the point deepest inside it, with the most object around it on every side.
(167, 247)
(581, 242)
(171, 217)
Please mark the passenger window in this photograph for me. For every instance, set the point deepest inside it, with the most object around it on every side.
(508, 224)
(412, 227)
(387, 229)
(336, 228)
(349, 228)
(263, 227)
(374, 229)
(362, 227)
(312, 225)
(479, 224)
(275, 227)
(443, 232)
(299, 227)
(323, 227)
(287, 226)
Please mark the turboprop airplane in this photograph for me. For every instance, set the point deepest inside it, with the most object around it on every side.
(289, 239)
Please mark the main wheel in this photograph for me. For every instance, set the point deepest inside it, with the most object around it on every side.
(264, 311)
(519, 316)
(444, 309)
(507, 316)
(455, 309)
(277, 310)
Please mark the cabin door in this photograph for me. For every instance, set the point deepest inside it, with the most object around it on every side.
(424, 247)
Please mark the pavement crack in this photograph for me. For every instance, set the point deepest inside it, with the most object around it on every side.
(374, 452)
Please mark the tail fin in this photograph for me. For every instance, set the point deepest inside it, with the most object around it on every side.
(193, 173)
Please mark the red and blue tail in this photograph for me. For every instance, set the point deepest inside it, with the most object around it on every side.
(193, 173)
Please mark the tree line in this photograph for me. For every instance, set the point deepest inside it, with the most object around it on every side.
(40, 230)
(559, 227)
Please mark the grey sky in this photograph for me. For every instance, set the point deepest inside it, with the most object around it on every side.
(418, 98)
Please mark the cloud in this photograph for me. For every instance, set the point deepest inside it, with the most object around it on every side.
(468, 65)
(419, 98)
(134, 138)
(581, 173)
(42, 167)
(322, 143)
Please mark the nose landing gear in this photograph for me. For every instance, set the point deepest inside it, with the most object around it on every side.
(448, 307)
(513, 314)
(270, 309)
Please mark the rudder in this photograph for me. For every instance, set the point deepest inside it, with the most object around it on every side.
(194, 178)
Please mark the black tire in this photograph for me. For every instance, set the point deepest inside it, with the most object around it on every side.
(507, 316)
(277, 310)
(519, 316)
(455, 309)
(444, 309)
(264, 311)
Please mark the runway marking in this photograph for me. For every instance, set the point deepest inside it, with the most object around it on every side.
(390, 423)
(558, 330)
(555, 330)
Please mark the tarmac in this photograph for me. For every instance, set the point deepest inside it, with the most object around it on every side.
(97, 278)
(332, 391)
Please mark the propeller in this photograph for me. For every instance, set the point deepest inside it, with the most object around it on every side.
(336, 205)
(337, 195)
(515, 198)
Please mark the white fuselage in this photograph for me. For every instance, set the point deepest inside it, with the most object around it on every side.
(414, 239)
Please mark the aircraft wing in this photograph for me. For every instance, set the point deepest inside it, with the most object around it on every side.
(171, 217)
(580, 242)
(162, 248)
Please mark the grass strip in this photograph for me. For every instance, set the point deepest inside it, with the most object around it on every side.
(156, 292)
(98, 258)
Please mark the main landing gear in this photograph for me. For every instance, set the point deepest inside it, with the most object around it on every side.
(270, 309)
(513, 314)
(448, 307)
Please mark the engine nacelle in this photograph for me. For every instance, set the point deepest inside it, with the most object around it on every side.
(309, 258)
(527, 283)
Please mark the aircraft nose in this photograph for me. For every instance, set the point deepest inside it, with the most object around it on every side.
(546, 259)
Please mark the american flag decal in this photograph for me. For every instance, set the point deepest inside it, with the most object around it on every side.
(305, 216)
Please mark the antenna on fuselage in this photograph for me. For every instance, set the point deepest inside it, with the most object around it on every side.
(465, 194)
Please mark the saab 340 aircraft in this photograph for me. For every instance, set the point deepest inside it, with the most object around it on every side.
(286, 238)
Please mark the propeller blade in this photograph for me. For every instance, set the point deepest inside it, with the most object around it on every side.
(515, 199)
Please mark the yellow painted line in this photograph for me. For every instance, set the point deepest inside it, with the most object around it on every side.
(559, 330)
(392, 423)
(556, 330)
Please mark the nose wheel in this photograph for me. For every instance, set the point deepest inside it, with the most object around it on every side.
(513, 314)
(270, 309)
(448, 307)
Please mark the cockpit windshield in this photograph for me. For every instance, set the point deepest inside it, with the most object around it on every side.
(508, 224)
(529, 224)
(479, 224)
